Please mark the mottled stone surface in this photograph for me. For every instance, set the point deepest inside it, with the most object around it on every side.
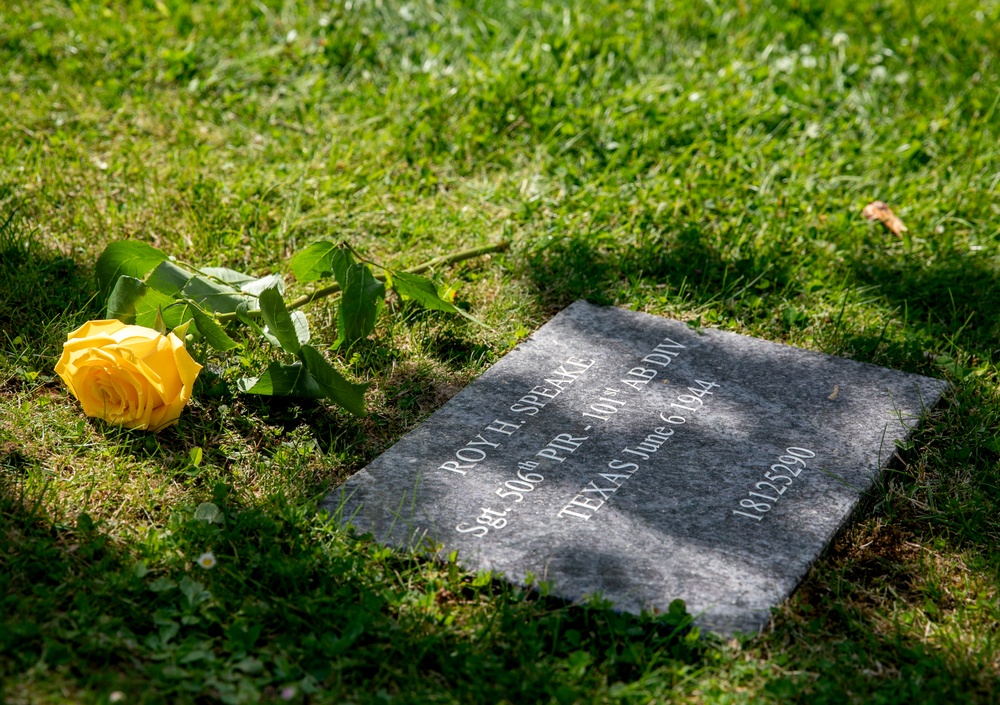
(639, 501)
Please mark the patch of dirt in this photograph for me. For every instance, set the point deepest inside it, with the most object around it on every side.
(879, 552)
(16, 456)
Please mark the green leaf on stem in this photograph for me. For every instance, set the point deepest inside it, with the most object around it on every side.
(134, 303)
(335, 386)
(176, 314)
(169, 278)
(229, 276)
(255, 286)
(422, 290)
(218, 298)
(289, 329)
(281, 380)
(180, 313)
(321, 260)
(139, 260)
(130, 258)
(363, 297)
(145, 306)
(249, 287)
(214, 333)
(243, 314)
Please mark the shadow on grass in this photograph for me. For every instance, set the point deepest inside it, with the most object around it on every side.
(846, 657)
(956, 299)
(684, 263)
(39, 286)
(871, 626)
(908, 355)
(292, 603)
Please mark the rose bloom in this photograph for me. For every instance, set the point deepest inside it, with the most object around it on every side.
(128, 375)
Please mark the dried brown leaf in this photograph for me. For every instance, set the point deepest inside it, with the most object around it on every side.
(877, 210)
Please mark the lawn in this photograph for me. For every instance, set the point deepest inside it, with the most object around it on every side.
(704, 161)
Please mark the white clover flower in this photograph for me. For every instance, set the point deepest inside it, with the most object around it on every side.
(785, 64)
(808, 61)
(879, 73)
(840, 39)
(207, 560)
(694, 97)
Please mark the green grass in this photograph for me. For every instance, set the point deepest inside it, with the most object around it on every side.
(698, 160)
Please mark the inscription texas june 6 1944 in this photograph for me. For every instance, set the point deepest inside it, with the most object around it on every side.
(626, 455)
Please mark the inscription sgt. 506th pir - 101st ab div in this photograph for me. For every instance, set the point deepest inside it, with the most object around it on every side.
(619, 454)
(531, 471)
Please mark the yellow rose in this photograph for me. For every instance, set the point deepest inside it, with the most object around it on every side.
(128, 375)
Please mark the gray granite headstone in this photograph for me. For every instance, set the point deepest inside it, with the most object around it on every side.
(626, 455)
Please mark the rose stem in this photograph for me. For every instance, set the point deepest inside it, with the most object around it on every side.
(459, 256)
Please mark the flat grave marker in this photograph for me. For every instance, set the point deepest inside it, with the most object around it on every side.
(627, 455)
